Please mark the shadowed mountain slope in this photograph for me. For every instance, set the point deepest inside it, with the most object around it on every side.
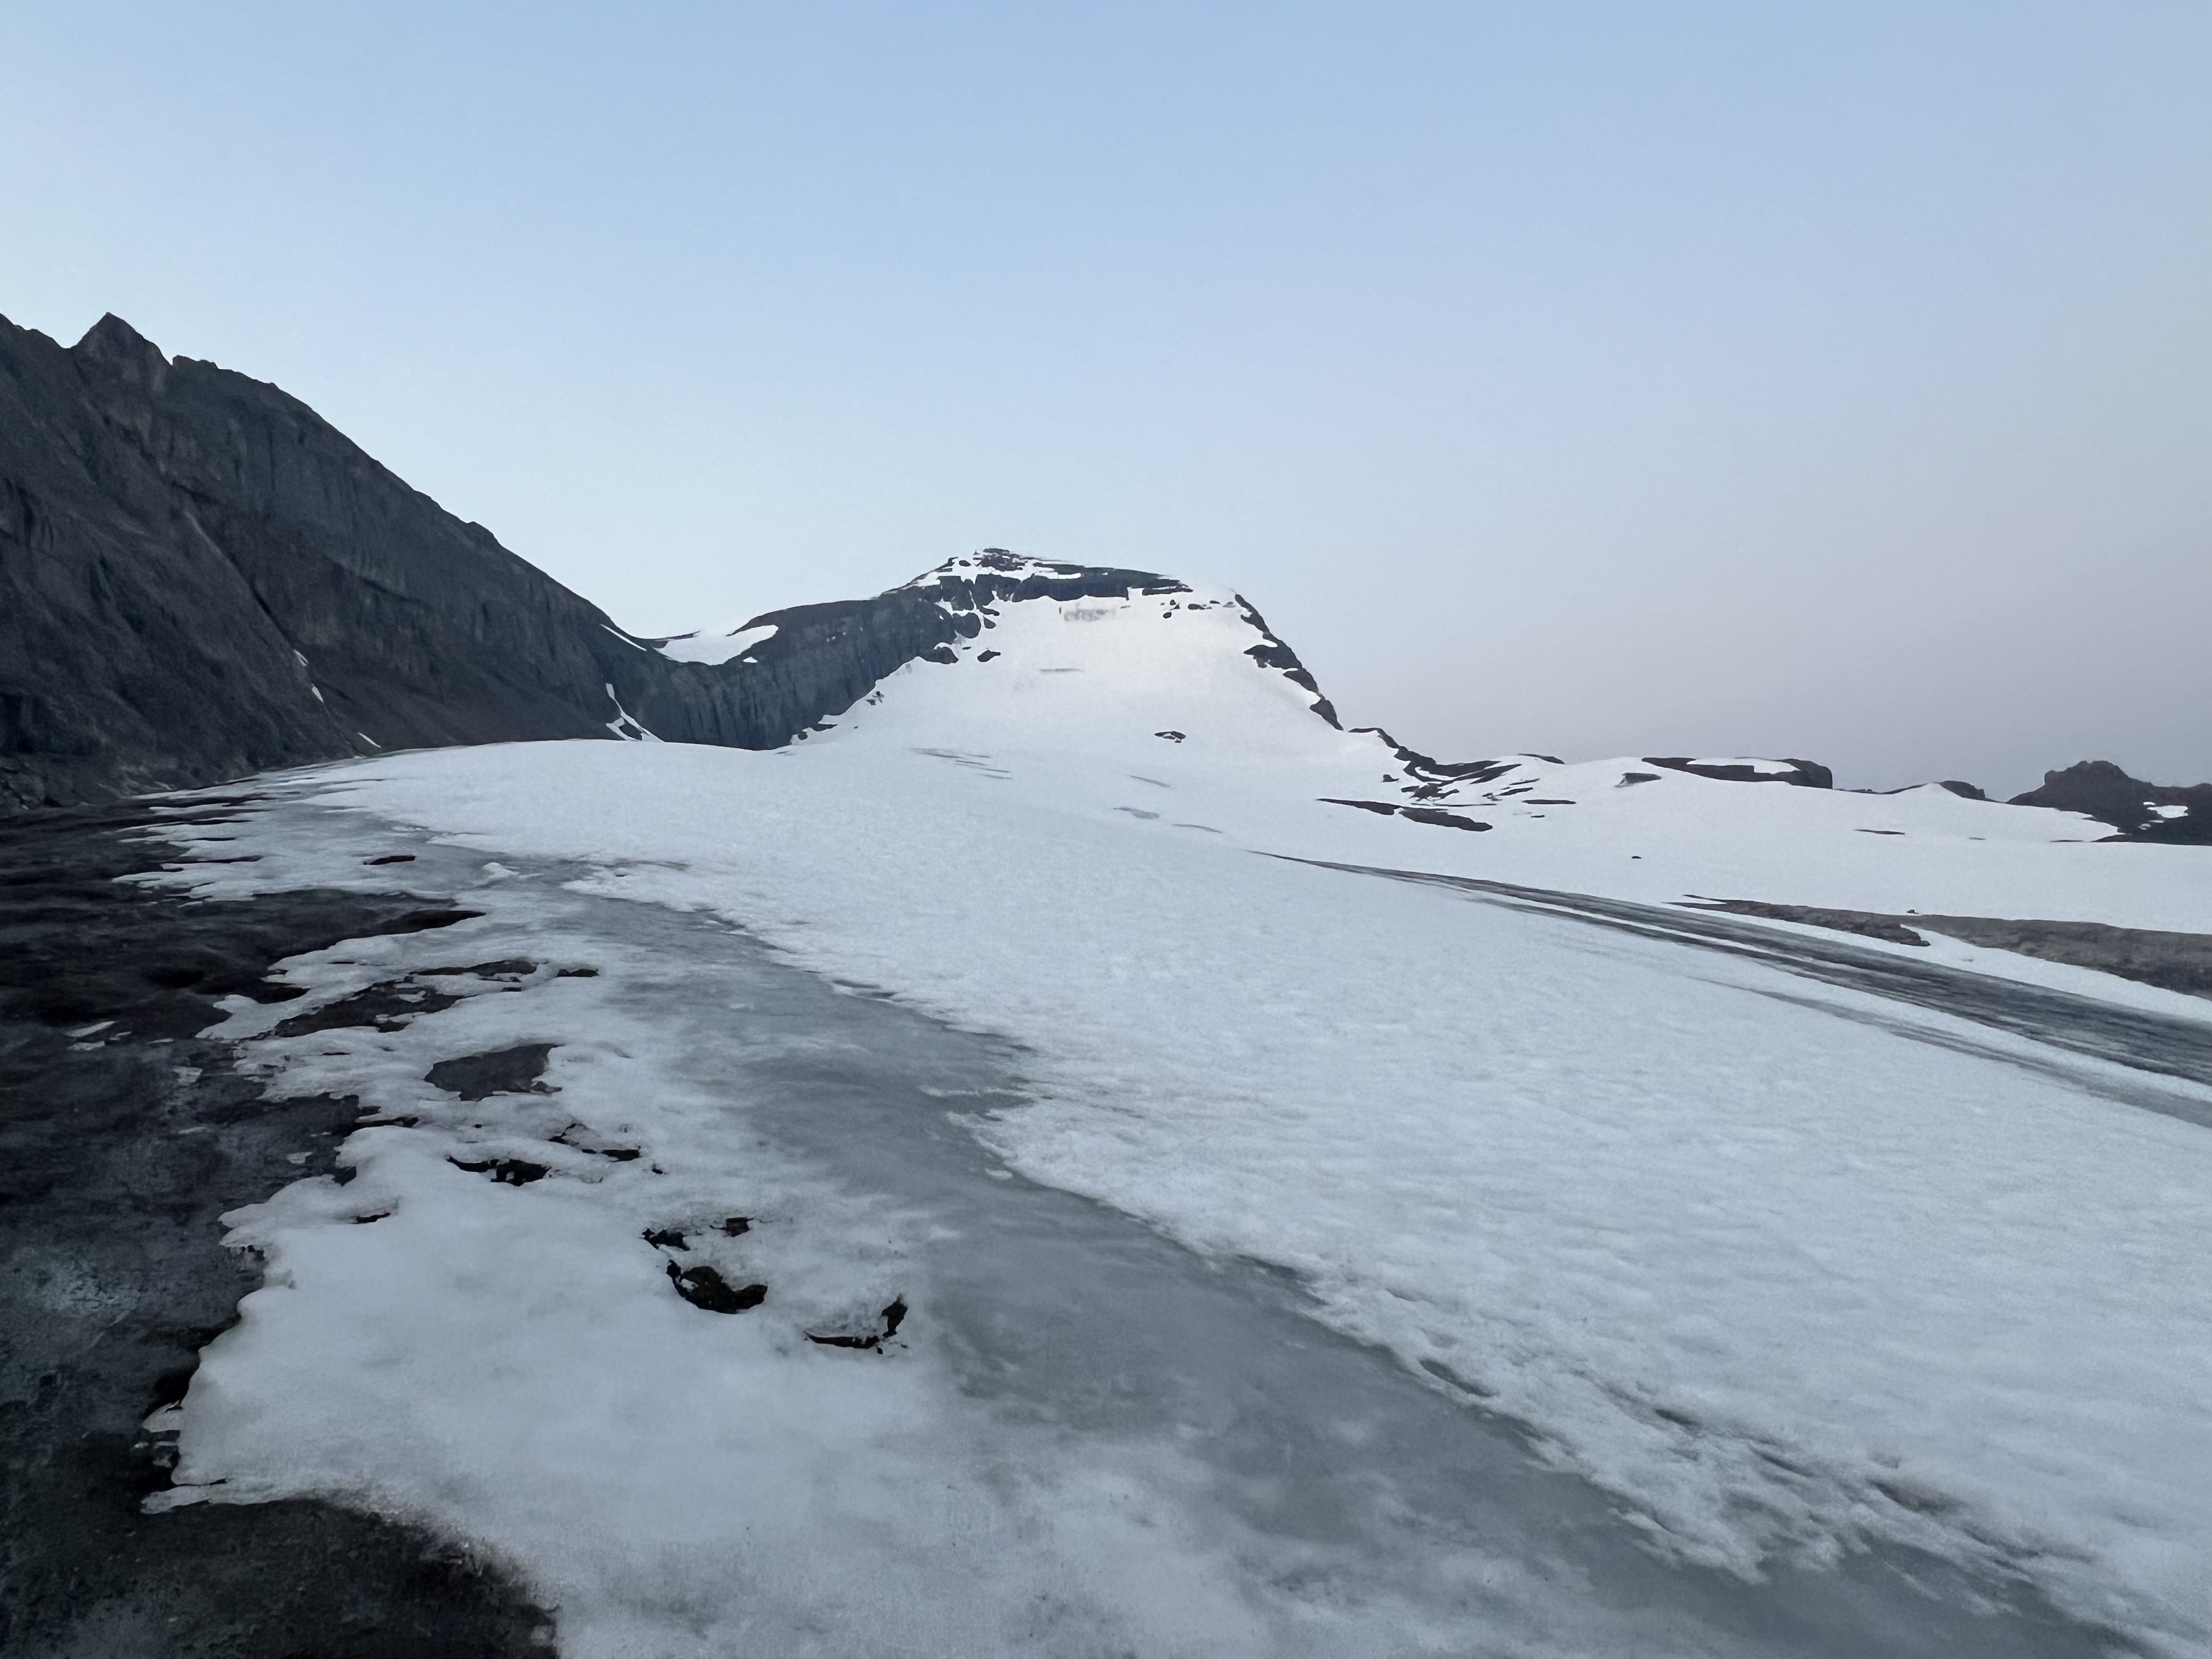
(200, 578)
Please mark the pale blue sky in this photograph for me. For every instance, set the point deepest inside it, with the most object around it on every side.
(1822, 380)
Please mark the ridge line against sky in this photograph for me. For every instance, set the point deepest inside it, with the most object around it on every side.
(1588, 378)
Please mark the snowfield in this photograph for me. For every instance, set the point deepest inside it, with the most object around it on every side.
(1785, 1270)
(715, 645)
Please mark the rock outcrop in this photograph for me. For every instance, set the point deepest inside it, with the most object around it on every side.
(1807, 774)
(2137, 811)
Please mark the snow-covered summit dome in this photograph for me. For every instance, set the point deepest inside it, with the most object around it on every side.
(1051, 657)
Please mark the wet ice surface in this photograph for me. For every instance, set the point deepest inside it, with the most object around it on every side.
(1084, 1439)
(1365, 1483)
(2134, 1041)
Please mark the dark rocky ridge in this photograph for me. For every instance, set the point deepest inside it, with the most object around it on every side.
(201, 579)
(2103, 791)
(1808, 774)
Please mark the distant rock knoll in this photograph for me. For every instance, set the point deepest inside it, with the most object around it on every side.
(2138, 811)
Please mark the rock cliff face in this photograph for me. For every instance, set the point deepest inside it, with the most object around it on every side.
(200, 578)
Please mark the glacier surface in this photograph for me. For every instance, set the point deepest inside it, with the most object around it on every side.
(1764, 1301)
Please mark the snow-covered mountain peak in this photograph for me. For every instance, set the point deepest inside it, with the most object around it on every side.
(1068, 660)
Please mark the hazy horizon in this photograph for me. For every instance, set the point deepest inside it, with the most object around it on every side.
(1583, 379)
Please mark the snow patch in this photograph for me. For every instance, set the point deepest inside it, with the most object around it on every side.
(713, 646)
(624, 725)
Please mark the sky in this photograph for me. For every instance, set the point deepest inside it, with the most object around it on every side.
(1831, 381)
